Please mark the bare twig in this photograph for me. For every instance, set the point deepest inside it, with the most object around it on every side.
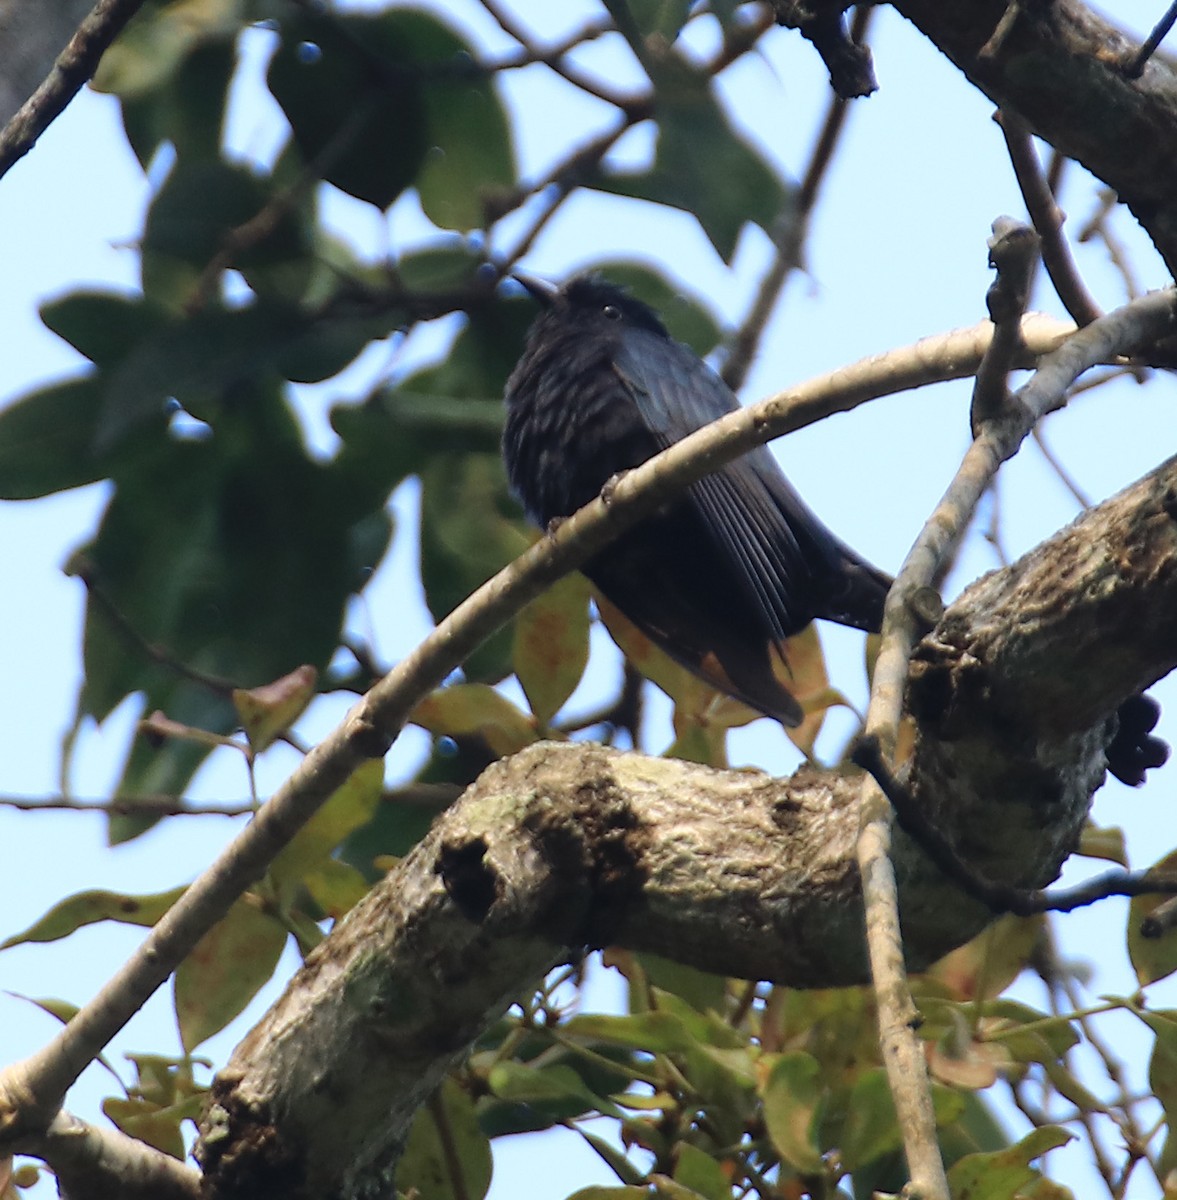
(788, 254)
(1099, 226)
(1000, 897)
(1047, 219)
(139, 806)
(1056, 465)
(74, 65)
(554, 57)
(1160, 920)
(1135, 68)
(31, 1091)
(851, 69)
(1013, 251)
(93, 1161)
(1139, 322)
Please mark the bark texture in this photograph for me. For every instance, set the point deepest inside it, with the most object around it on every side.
(565, 846)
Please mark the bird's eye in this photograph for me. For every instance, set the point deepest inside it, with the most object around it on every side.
(612, 312)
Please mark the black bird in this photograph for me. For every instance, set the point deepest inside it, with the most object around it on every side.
(718, 579)
(721, 577)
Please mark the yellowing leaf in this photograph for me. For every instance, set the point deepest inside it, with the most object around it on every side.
(85, 908)
(271, 709)
(1106, 843)
(793, 1097)
(1152, 958)
(225, 970)
(336, 887)
(351, 806)
(803, 672)
(552, 645)
(468, 708)
(987, 965)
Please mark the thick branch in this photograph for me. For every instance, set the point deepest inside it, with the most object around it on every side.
(568, 845)
(1064, 70)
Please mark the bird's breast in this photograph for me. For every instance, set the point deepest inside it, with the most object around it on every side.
(571, 426)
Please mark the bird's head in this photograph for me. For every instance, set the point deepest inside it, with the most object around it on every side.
(590, 302)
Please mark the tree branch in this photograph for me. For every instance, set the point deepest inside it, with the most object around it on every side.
(997, 439)
(31, 1092)
(74, 65)
(738, 873)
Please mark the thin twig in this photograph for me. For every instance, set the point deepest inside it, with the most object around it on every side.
(1099, 226)
(74, 65)
(1047, 219)
(788, 253)
(555, 57)
(1056, 465)
(1013, 251)
(1135, 68)
(999, 897)
(219, 685)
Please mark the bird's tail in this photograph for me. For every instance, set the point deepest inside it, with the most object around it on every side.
(855, 594)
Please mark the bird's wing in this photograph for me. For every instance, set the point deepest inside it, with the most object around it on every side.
(753, 514)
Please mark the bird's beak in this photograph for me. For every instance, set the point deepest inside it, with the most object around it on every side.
(541, 289)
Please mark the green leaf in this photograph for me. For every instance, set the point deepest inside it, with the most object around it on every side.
(470, 167)
(614, 1158)
(348, 87)
(103, 326)
(1004, 1174)
(793, 1097)
(446, 264)
(702, 165)
(871, 1129)
(1162, 1068)
(466, 708)
(348, 808)
(551, 645)
(225, 970)
(700, 989)
(468, 532)
(86, 908)
(157, 39)
(559, 1086)
(1152, 958)
(600, 1192)
(194, 557)
(378, 102)
(447, 1156)
(201, 203)
(47, 440)
(698, 1171)
(187, 106)
(148, 1122)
